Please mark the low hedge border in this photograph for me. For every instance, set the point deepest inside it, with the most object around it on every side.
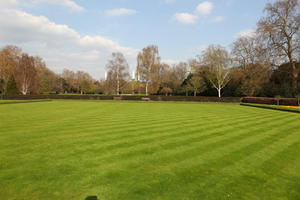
(271, 107)
(128, 98)
(272, 101)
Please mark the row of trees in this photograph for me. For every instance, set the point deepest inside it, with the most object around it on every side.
(263, 64)
(21, 73)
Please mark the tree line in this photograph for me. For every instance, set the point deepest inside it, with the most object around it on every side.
(265, 63)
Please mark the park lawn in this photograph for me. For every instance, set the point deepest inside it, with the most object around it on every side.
(21, 101)
(141, 150)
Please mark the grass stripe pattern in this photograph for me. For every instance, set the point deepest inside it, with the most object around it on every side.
(142, 150)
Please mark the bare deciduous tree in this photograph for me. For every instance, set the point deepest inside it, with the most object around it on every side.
(25, 74)
(217, 60)
(253, 62)
(118, 70)
(280, 27)
(148, 67)
(9, 59)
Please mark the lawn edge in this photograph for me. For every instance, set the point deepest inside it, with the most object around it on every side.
(269, 107)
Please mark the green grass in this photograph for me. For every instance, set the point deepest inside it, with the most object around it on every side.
(22, 101)
(138, 150)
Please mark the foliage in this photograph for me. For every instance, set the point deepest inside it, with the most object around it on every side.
(117, 72)
(217, 61)
(148, 68)
(2, 84)
(281, 31)
(166, 91)
(11, 86)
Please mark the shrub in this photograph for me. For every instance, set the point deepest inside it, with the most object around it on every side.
(271, 101)
(11, 86)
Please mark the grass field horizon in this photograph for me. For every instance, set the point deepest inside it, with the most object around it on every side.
(66, 149)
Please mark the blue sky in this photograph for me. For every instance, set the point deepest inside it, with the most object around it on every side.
(63, 31)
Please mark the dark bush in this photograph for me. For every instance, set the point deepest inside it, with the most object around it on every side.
(271, 101)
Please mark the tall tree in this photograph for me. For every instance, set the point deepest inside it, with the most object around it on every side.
(217, 60)
(118, 71)
(253, 62)
(9, 59)
(47, 80)
(25, 74)
(69, 80)
(281, 29)
(148, 67)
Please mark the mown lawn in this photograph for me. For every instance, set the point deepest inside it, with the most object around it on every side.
(136, 150)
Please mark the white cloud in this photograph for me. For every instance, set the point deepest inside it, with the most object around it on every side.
(245, 33)
(204, 8)
(67, 3)
(186, 18)
(201, 12)
(61, 46)
(120, 11)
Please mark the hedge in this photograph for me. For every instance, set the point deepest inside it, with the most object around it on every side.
(75, 97)
(272, 101)
(272, 107)
(130, 98)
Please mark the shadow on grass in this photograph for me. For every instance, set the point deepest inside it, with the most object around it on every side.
(91, 198)
(21, 101)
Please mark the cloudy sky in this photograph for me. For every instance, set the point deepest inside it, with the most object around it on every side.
(82, 34)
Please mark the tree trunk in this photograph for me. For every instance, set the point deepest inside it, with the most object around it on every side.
(118, 87)
(219, 92)
(195, 93)
(147, 88)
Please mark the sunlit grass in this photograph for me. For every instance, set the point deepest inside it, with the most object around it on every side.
(140, 150)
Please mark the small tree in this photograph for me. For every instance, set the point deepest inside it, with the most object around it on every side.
(197, 83)
(217, 60)
(166, 90)
(45, 85)
(117, 69)
(148, 68)
(11, 86)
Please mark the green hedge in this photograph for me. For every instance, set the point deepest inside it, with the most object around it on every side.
(272, 101)
(130, 98)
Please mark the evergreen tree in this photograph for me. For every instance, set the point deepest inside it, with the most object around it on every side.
(1, 85)
(11, 86)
